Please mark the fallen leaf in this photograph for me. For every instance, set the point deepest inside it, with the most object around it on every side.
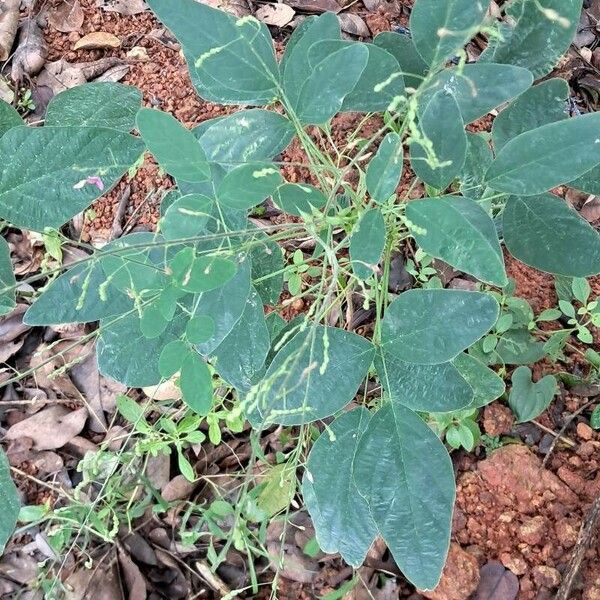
(59, 76)
(67, 16)
(315, 6)
(134, 580)
(354, 25)
(138, 53)
(496, 583)
(30, 56)
(51, 428)
(167, 390)
(11, 330)
(9, 23)
(114, 74)
(277, 15)
(127, 8)
(6, 92)
(179, 488)
(590, 211)
(97, 40)
(238, 8)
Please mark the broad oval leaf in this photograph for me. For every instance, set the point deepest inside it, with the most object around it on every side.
(380, 83)
(9, 118)
(295, 66)
(441, 28)
(429, 388)
(195, 382)
(535, 36)
(367, 243)
(339, 513)
(298, 198)
(486, 384)
(267, 267)
(478, 88)
(232, 61)
(300, 384)
(324, 90)
(433, 326)
(542, 104)
(103, 104)
(245, 136)
(529, 399)
(11, 504)
(242, 354)
(248, 185)
(200, 273)
(402, 48)
(534, 162)
(199, 329)
(171, 358)
(410, 497)
(461, 233)
(479, 158)
(51, 173)
(543, 232)
(175, 148)
(8, 283)
(589, 182)
(186, 217)
(385, 168)
(442, 127)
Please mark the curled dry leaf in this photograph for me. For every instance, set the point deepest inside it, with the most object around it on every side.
(12, 329)
(30, 55)
(315, 6)
(277, 15)
(67, 16)
(590, 211)
(9, 23)
(114, 74)
(354, 25)
(51, 428)
(126, 8)
(97, 40)
(6, 92)
(163, 391)
(238, 8)
(496, 583)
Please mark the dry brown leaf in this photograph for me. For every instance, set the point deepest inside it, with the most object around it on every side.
(50, 365)
(12, 329)
(354, 25)
(67, 16)
(114, 74)
(126, 8)
(238, 8)
(59, 76)
(9, 23)
(134, 580)
(30, 55)
(277, 15)
(315, 6)
(97, 40)
(6, 92)
(179, 488)
(590, 211)
(163, 391)
(51, 428)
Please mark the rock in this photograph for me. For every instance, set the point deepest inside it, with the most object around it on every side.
(532, 531)
(516, 470)
(584, 432)
(546, 576)
(566, 532)
(460, 577)
(497, 419)
(514, 563)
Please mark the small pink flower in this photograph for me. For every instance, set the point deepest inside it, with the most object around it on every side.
(91, 180)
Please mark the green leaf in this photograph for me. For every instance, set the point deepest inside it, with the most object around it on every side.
(589, 182)
(433, 326)
(171, 358)
(428, 388)
(295, 65)
(200, 329)
(402, 48)
(367, 243)
(267, 267)
(245, 136)
(527, 399)
(479, 158)
(385, 168)
(194, 273)
(486, 384)
(106, 104)
(445, 139)
(518, 347)
(533, 162)
(195, 382)
(175, 148)
(339, 513)
(478, 88)
(409, 498)
(581, 289)
(225, 305)
(595, 418)
(9, 118)
(461, 233)
(8, 282)
(542, 104)
(9, 500)
(532, 37)
(300, 385)
(543, 232)
(124, 354)
(232, 61)
(322, 93)
(440, 29)
(242, 354)
(248, 185)
(379, 84)
(186, 217)
(298, 198)
(279, 489)
(45, 183)
(152, 321)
